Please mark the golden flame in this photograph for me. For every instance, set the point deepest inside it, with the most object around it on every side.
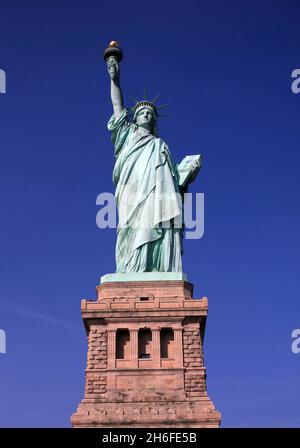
(113, 43)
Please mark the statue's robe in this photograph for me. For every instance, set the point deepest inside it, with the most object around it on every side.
(149, 234)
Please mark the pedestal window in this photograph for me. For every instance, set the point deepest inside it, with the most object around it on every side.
(145, 343)
(123, 344)
(167, 343)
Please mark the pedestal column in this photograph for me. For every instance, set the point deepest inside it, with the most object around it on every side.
(178, 346)
(156, 347)
(134, 347)
(111, 348)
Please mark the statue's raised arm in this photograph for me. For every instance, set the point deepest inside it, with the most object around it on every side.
(113, 56)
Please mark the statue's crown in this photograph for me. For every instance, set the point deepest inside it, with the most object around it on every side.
(143, 103)
(147, 103)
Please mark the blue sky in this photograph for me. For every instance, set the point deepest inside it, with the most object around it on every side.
(224, 68)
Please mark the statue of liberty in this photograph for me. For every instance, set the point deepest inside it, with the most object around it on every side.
(148, 184)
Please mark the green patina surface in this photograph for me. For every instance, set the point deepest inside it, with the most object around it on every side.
(148, 188)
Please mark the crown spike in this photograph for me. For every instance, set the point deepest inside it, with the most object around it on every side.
(145, 93)
(161, 106)
(156, 97)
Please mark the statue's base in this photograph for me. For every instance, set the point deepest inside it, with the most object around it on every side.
(142, 277)
(145, 358)
(153, 414)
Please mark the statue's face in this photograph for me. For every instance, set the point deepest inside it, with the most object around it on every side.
(145, 118)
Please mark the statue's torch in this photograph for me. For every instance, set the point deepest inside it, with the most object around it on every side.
(113, 52)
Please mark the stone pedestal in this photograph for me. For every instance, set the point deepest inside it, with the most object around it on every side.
(145, 364)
